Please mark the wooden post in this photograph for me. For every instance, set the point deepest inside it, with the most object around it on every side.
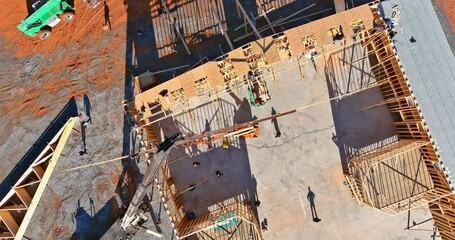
(300, 69)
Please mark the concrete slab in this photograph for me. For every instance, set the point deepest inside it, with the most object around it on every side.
(280, 171)
(305, 156)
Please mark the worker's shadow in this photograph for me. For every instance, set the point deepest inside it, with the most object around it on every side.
(107, 20)
(88, 108)
(275, 124)
(82, 219)
(83, 136)
(310, 196)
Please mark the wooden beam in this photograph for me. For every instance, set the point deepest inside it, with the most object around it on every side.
(223, 31)
(10, 223)
(24, 196)
(13, 208)
(27, 184)
(67, 129)
(6, 235)
(39, 171)
(264, 13)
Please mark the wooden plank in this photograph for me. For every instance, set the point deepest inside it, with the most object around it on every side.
(27, 184)
(39, 171)
(6, 235)
(24, 196)
(14, 207)
(10, 223)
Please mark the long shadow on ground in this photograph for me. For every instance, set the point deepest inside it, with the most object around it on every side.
(68, 111)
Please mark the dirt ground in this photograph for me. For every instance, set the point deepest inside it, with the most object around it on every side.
(38, 78)
(81, 60)
(446, 16)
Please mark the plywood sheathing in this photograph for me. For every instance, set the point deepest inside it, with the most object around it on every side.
(186, 81)
(209, 70)
(239, 62)
(213, 73)
(319, 28)
(265, 47)
(152, 94)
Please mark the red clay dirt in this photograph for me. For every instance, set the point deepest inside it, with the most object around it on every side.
(449, 9)
(88, 22)
(37, 78)
(72, 48)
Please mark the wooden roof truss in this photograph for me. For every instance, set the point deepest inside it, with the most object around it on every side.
(409, 123)
(394, 178)
(19, 204)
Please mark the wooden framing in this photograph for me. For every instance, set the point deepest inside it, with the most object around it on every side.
(357, 25)
(282, 45)
(226, 68)
(19, 204)
(213, 225)
(394, 178)
(255, 60)
(412, 132)
(202, 86)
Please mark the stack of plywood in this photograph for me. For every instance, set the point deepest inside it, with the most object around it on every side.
(178, 95)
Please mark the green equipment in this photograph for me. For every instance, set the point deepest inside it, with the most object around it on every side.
(257, 88)
(47, 14)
